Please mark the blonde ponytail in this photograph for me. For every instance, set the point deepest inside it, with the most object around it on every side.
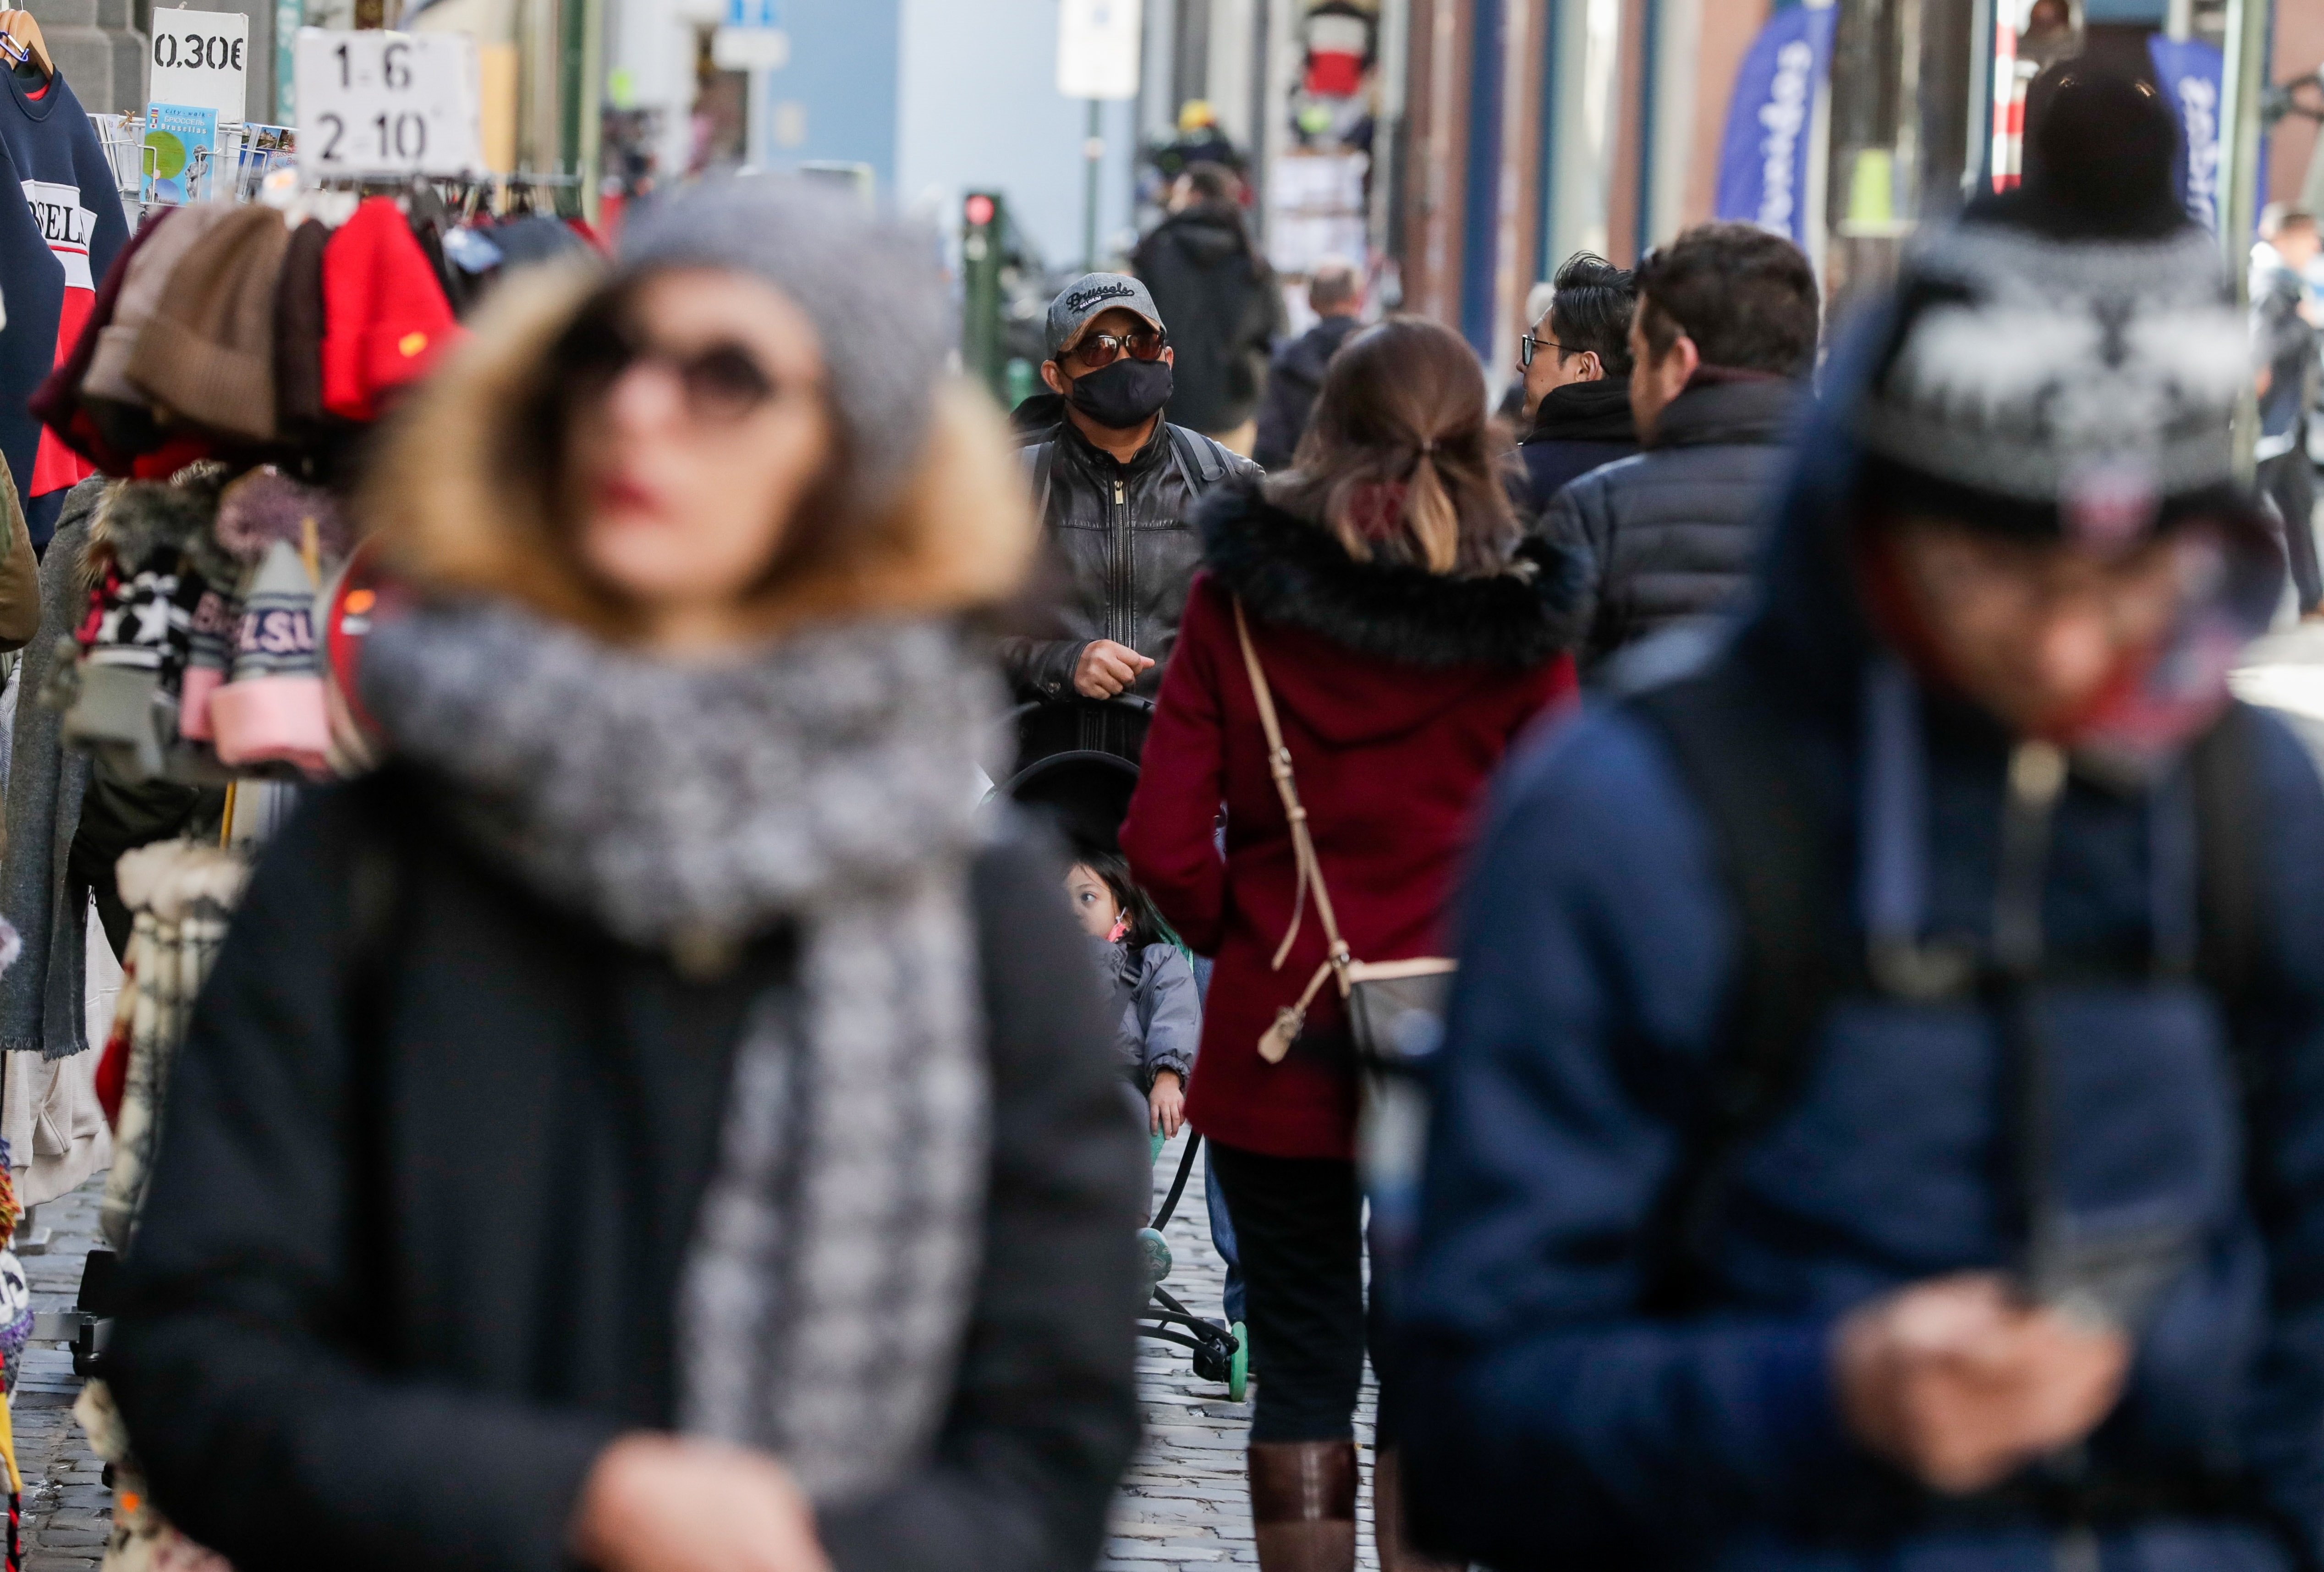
(1429, 515)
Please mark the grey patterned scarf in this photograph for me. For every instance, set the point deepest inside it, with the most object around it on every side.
(826, 781)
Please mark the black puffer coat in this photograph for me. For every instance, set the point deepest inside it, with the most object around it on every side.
(1674, 531)
(1120, 554)
(1223, 307)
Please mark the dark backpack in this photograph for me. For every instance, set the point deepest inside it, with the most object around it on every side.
(1727, 733)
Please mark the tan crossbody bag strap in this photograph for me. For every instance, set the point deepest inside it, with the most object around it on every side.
(1290, 1019)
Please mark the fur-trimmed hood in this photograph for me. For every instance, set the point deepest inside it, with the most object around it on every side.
(1290, 573)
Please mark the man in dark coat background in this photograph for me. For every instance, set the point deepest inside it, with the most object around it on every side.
(1116, 483)
(2283, 344)
(1335, 290)
(1214, 284)
(1575, 366)
(1722, 344)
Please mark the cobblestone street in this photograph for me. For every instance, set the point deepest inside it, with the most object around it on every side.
(1184, 1504)
(67, 1509)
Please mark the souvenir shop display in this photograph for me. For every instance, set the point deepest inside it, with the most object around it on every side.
(61, 227)
(217, 365)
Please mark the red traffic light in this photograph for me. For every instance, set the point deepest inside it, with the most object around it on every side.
(979, 210)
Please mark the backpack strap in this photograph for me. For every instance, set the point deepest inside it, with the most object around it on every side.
(1040, 464)
(1726, 734)
(1201, 463)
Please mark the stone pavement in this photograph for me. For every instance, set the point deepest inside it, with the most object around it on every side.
(67, 1509)
(1183, 1505)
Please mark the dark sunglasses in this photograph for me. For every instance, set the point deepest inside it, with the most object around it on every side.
(1100, 350)
(721, 382)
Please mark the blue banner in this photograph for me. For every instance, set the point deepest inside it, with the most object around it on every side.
(2190, 73)
(1763, 164)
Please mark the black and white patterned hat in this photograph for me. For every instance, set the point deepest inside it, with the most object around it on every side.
(2056, 367)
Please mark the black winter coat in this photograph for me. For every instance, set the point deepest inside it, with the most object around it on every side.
(1674, 530)
(398, 1284)
(1120, 554)
(1223, 307)
(1576, 428)
(1293, 379)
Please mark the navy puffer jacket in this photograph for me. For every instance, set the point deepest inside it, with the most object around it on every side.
(1553, 1422)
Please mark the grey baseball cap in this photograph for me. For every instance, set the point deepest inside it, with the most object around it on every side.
(1093, 295)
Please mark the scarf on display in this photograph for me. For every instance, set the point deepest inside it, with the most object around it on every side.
(823, 782)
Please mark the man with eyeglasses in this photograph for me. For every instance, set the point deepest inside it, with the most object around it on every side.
(1722, 343)
(1576, 367)
(1116, 485)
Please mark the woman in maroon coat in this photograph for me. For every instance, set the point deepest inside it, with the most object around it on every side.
(1409, 637)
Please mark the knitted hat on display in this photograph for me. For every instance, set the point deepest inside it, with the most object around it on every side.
(207, 356)
(298, 332)
(2065, 361)
(141, 285)
(385, 318)
(870, 286)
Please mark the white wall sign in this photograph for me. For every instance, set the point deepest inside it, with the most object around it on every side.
(201, 59)
(1097, 48)
(373, 102)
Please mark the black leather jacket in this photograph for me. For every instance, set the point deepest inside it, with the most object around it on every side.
(1120, 557)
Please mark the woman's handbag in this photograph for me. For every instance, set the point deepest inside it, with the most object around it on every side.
(1395, 1008)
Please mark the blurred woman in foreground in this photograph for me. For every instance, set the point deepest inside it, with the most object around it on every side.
(641, 1125)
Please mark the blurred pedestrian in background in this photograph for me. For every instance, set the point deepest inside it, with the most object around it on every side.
(643, 1127)
(1213, 281)
(1882, 1118)
(1574, 365)
(1335, 292)
(1722, 343)
(1115, 484)
(2283, 324)
(1405, 637)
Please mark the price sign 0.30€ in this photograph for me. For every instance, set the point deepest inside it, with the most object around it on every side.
(372, 102)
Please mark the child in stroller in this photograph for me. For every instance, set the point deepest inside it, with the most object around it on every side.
(1157, 1006)
(1153, 995)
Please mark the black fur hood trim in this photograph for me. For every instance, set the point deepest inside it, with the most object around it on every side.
(1294, 575)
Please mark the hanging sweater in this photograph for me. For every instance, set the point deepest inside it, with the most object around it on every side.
(61, 224)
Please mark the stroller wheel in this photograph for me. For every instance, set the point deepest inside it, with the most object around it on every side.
(1156, 1252)
(1239, 1369)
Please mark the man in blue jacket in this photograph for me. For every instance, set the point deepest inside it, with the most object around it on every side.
(1882, 1118)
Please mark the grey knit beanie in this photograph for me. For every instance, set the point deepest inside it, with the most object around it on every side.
(872, 286)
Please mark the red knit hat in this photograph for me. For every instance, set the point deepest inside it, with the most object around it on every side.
(385, 318)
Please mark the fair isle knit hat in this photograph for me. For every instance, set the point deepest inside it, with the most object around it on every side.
(872, 287)
(2065, 360)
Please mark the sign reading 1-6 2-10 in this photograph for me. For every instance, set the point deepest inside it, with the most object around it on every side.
(373, 102)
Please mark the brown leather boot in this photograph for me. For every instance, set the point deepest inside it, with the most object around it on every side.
(1303, 1505)
(1396, 1555)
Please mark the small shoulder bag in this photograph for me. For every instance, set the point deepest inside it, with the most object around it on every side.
(1395, 1008)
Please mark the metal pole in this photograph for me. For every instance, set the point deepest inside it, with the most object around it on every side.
(1093, 153)
(2239, 134)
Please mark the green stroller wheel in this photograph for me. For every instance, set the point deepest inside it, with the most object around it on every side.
(1155, 1252)
(1238, 1370)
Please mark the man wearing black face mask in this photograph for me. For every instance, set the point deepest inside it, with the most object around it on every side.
(1116, 485)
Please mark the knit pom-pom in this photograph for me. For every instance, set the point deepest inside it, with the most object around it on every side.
(266, 506)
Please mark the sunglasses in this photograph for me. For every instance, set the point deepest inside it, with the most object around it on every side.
(720, 382)
(1100, 350)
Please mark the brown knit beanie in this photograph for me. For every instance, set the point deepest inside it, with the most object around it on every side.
(207, 357)
(141, 291)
